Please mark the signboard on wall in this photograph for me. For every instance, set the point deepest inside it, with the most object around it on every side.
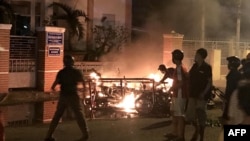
(54, 51)
(54, 38)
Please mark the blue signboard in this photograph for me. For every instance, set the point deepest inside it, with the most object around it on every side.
(54, 51)
(54, 38)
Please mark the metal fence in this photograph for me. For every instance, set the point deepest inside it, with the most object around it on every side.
(87, 67)
(228, 48)
(22, 47)
(22, 54)
(22, 65)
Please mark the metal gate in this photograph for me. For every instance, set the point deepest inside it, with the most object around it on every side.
(22, 65)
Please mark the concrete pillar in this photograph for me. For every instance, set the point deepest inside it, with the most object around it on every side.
(45, 11)
(4, 69)
(90, 13)
(170, 42)
(32, 15)
(128, 17)
(4, 57)
(215, 60)
(50, 55)
(232, 48)
(50, 61)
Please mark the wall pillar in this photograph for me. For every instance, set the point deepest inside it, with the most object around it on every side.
(90, 12)
(4, 57)
(216, 64)
(128, 17)
(50, 61)
(171, 42)
(232, 48)
(50, 55)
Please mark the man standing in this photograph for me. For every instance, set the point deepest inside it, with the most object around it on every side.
(200, 76)
(233, 77)
(68, 78)
(180, 93)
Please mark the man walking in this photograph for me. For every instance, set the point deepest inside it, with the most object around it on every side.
(68, 78)
(200, 77)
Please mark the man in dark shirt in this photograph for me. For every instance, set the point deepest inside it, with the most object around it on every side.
(233, 77)
(68, 78)
(200, 77)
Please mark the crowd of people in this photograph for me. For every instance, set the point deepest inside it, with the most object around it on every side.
(192, 90)
(237, 93)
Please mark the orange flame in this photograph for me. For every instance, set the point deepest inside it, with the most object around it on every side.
(128, 103)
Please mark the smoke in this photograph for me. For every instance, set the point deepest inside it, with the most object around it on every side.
(245, 32)
(185, 18)
(137, 60)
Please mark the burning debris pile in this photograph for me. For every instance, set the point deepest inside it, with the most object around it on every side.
(127, 97)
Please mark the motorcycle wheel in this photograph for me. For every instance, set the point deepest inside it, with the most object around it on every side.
(143, 106)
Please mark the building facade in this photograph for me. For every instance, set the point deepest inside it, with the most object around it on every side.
(31, 14)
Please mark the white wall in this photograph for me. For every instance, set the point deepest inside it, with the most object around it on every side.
(117, 7)
(77, 4)
(22, 80)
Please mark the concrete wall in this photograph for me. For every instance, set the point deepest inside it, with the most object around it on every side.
(116, 7)
(17, 115)
(22, 80)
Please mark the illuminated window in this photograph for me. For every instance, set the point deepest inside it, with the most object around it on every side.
(23, 17)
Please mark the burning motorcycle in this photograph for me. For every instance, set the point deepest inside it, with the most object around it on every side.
(154, 102)
(127, 95)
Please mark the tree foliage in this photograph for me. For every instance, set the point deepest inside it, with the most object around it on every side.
(6, 12)
(106, 40)
(71, 16)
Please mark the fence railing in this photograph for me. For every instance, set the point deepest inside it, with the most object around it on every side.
(227, 48)
(88, 66)
(23, 54)
(22, 47)
(22, 65)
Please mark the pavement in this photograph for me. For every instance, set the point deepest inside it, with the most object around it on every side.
(112, 129)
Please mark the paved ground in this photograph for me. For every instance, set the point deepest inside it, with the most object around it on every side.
(110, 129)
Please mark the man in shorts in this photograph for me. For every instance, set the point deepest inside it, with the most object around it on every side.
(200, 80)
(180, 90)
